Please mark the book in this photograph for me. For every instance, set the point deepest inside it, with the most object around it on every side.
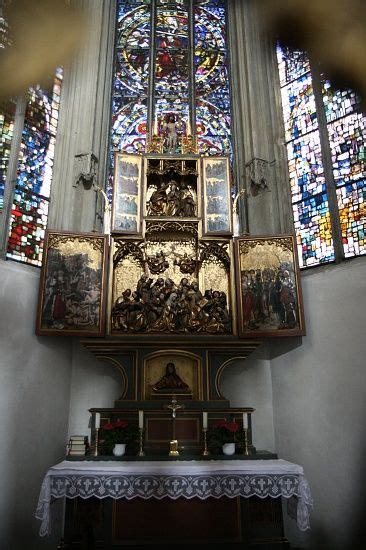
(76, 453)
(81, 438)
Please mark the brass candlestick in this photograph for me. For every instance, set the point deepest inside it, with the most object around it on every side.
(174, 448)
(246, 442)
(96, 450)
(141, 451)
(205, 451)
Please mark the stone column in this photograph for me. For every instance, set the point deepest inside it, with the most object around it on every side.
(82, 142)
(261, 163)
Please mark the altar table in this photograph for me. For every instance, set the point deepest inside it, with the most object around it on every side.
(202, 479)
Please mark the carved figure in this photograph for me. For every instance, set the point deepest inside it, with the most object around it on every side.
(171, 134)
(162, 306)
(186, 202)
(172, 199)
(173, 206)
(187, 264)
(158, 263)
(158, 201)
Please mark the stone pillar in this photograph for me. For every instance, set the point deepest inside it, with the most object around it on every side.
(82, 142)
(261, 163)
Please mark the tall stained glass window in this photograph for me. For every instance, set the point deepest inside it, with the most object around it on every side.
(34, 174)
(325, 138)
(171, 63)
(7, 112)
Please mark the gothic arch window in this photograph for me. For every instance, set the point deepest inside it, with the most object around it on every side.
(325, 138)
(171, 59)
(27, 142)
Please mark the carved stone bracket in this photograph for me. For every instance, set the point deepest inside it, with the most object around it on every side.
(258, 175)
(87, 170)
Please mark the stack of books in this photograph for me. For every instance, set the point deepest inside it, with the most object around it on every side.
(78, 445)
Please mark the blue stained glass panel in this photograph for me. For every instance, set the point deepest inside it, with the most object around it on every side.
(313, 231)
(347, 138)
(305, 167)
(129, 129)
(298, 104)
(352, 213)
(176, 106)
(292, 64)
(338, 103)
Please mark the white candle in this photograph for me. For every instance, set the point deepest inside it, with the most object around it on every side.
(245, 421)
(204, 420)
(141, 419)
(97, 421)
(188, 127)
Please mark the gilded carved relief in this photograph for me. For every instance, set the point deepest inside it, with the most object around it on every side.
(172, 286)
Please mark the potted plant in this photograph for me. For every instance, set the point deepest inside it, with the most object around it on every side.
(116, 435)
(224, 434)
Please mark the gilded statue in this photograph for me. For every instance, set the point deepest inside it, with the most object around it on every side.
(163, 306)
(186, 264)
(172, 199)
(158, 263)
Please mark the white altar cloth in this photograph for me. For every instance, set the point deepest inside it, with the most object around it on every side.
(175, 479)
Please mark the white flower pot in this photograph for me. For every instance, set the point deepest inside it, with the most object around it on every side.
(119, 449)
(228, 448)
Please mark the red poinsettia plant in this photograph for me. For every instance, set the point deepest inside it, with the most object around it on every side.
(222, 432)
(119, 431)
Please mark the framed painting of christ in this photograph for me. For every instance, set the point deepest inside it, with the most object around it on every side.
(72, 295)
(268, 287)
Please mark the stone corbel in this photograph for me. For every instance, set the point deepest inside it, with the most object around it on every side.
(87, 171)
(258, 174)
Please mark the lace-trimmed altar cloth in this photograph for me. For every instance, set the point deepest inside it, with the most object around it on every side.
(175, 479)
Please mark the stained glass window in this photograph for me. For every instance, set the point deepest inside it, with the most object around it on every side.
(34, 174)
(129, 108)
(212, 79)
(343, 143)
(171, 64)
(7, 111)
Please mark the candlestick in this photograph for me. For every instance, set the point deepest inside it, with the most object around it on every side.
(204, 420)
(246, 451)
(245, 421)
(141, 451)
(97, 421)
(189, 130)
(205, 451)
(96, 450)
(174, 448)
(141, 419)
